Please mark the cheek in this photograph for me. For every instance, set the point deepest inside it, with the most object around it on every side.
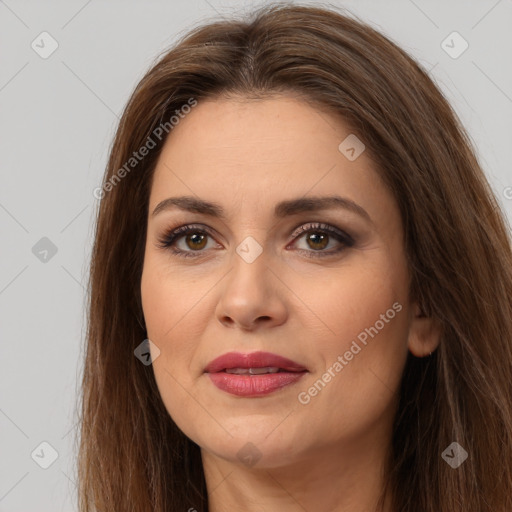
(363, 353)
(342, 303)
(169, 302)
(172, 325)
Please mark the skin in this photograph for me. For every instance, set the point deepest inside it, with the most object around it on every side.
(247, 155)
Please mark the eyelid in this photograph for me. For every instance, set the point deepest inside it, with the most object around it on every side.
(321, 226)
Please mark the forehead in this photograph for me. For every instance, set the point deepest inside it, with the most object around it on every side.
(265, 150)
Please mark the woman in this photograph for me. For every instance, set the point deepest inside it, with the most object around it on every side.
(301, 282)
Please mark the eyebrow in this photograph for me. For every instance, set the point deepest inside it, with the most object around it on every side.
(281, 210)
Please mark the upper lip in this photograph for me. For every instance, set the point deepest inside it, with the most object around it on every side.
(252, 360)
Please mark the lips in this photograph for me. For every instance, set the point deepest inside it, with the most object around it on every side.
(253, 375)
(254, 360)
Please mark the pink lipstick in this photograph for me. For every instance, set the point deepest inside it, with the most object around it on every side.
(253, 374)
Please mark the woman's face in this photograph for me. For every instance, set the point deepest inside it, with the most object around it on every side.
(333, 302)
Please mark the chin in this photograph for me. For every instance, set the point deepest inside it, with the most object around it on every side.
(254, 448)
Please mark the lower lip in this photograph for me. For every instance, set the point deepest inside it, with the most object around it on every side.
(253, 385)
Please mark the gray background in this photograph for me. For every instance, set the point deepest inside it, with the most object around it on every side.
(58, 117)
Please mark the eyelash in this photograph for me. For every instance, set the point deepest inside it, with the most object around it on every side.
(170, 238)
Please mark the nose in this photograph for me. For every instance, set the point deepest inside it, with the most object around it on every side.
(252, 296)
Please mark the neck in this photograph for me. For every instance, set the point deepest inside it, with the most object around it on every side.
(347, 479)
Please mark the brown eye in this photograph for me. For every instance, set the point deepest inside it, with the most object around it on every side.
(317, 241)
(318, 236)
(196, 241)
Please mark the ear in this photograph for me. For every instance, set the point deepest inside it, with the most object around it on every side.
(424, 333)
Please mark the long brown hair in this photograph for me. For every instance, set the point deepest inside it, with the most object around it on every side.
(132, 457)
